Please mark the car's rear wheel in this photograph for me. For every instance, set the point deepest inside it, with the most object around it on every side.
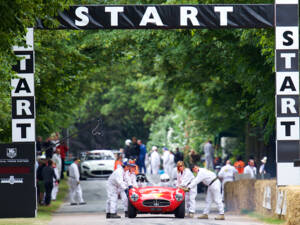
(131, 210)
(180, 211)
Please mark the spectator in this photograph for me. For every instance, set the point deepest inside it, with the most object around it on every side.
(40, 182)
(118, 161)
(57, 160)
(239, 165)
(142, 156)
(262, 169)
(154, 160)
(194, 157)
(39, 144)
(74, 183)
(227, 174)
(251, 169)
(209, 155)
(134, 149)
(171, 164)
(63, 148)
(127, 148)
(178, 156)
(48, 176)
(166, 160)
(48, 148)
(55, 183)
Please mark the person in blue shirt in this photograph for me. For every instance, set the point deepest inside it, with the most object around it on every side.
(142, 156)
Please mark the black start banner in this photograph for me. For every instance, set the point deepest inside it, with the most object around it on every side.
(166, 16)
(17, 180)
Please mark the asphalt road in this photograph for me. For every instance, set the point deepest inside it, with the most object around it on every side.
(93, 213)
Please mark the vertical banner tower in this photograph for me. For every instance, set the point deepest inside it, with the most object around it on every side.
(17, 159)
(287, 91)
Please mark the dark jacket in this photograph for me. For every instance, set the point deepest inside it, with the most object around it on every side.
(48, 174)
(178, 156)
(134, 150)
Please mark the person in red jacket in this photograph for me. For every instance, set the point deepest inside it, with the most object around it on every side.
(239, 165)
(63, 150)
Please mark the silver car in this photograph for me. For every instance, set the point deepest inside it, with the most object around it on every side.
(97, 163)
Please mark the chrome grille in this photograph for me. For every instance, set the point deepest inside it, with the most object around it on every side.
(102, 172)
(156, 203)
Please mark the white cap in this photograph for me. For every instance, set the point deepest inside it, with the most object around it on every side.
(154, 148)
(264, 160)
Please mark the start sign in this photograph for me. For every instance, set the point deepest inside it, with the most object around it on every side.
(23, 101)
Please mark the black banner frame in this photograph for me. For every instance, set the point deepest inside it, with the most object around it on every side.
(283, 15)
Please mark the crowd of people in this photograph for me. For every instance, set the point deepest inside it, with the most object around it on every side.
(50, 166)
(174, 173)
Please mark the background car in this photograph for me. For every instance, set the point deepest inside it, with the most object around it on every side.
(156, 200)
(97, 163)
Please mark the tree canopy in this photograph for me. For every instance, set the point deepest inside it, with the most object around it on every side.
(168, 87)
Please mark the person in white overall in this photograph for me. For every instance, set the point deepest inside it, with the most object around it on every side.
(166, 160)
(227, 173)
(213, 194)
(251, 169)
(155, 161)
(116, 185)
(75, 188)
(209, 155)
(130, 180)
(184, 178)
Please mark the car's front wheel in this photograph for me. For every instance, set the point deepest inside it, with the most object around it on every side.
(131, 210)
(180, 211)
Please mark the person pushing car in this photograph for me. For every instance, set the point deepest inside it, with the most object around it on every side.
(211, 180)
(184, 178)
(116, 184)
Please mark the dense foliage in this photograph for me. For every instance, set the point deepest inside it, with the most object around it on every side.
(178, 86)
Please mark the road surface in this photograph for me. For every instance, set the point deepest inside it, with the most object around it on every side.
(93, 213)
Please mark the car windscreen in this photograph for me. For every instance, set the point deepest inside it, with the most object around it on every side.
(99, 156)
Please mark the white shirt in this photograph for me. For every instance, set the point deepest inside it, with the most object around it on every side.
(130, 179)
(117, 178)
(184, 178)
(155, 159)
(208, 149)
(171, 160)
(262, 169)
(205, 176)
(74, 172)
(250, 170)
(227, 172)
(166, 158)
(57, 159)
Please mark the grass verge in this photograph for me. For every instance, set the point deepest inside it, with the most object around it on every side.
(44, 213)
(262, 218)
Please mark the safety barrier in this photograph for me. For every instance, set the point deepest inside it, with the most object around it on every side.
(265, 198)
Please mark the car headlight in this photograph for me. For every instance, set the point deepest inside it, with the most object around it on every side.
(86, 167)
(179, 197)
(134, 197)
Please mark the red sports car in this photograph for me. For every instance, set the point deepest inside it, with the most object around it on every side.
(156, 200)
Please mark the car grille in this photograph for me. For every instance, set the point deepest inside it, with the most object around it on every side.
(101, 172)
(156, 203)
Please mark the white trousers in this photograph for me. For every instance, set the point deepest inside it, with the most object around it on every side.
(75, 191)
(209, 164)
(190, 200)
(124, 199)
(155, 169)
(54, 191)
(112, 198)
(214, 195)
